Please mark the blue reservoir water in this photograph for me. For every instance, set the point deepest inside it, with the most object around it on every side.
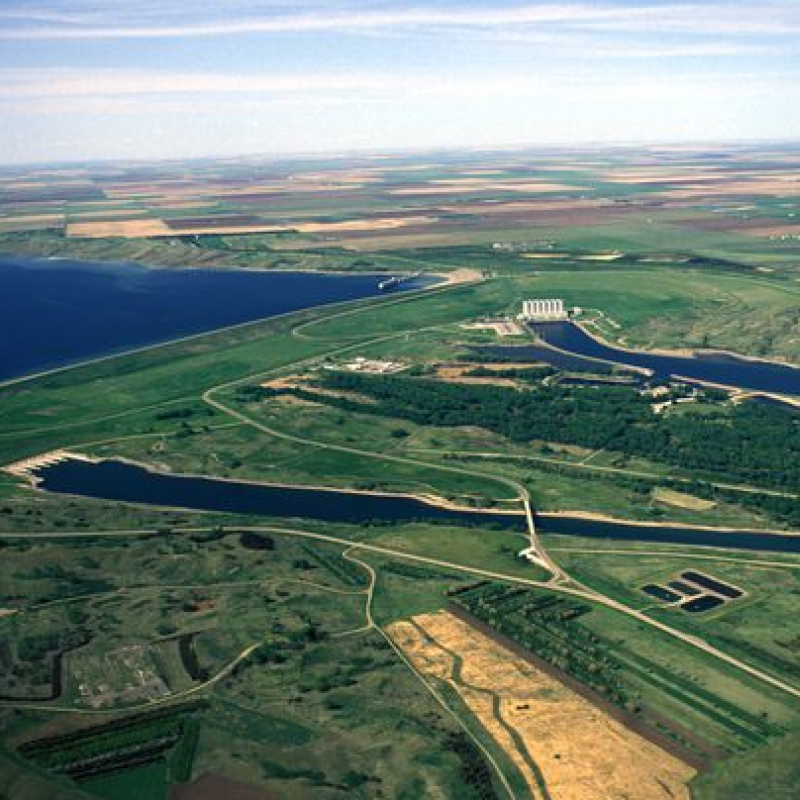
(666, 534)
(710, 368)
(115, 480)
(58, 312)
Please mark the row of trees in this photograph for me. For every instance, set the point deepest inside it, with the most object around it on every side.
(549, 627)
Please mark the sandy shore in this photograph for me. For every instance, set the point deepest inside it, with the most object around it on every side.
(591, 516)
(740, 393)
(788, 399)
(459, 276)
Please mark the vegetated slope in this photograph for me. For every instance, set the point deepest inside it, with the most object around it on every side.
(771, 772)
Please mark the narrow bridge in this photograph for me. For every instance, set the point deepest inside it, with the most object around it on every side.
(535, 553)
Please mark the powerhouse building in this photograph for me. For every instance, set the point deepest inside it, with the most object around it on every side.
(549, 310)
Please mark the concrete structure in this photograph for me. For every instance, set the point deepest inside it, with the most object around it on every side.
(543, 310)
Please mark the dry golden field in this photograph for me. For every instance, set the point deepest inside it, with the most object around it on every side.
(555, 737)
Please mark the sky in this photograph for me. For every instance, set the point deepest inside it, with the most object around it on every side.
(148, 79)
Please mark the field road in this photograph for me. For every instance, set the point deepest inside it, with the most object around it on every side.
(370, 590)
(573, 588)
(431, 689)
(625, 471)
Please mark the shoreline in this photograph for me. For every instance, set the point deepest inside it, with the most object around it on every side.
(597, 359)
(17, 469)
(790, 400)
(793, 400)
(457, 275)
(737, 392)
(92, 360)
(591, 516)
(684, 352)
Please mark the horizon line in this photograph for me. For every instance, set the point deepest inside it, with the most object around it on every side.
(397, 151)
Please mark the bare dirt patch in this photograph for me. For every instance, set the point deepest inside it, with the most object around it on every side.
(284, 382)
(681, 500)
(101, 215)
(375, 224)
(551, 733)
(30, 222)
(123, 228)
(460, 275)
(476, 185)
(216, 787)
(776, 187)
(602, 257)
(300, 382)
(34, 218)
(401, 239)
(774, 231)
(214, 222)
(512, 206)
(452, 373)
(502, 327)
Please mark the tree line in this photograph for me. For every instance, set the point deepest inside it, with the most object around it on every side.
(748, 443)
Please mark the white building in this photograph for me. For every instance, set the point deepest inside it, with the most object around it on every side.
(543, 310)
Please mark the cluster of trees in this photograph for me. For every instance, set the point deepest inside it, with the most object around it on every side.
(548, 626)
(413, 572)
(782, 509)
(474, 770)
(749, 443)
(251, 540)
(35, 672)
(190, 660)
(117, 745)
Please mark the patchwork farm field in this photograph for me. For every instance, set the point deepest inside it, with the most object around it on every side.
(739, 207)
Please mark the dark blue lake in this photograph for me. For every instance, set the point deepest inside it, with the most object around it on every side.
(58, 312)
(541, 352)
(711, 367)
(115, 480)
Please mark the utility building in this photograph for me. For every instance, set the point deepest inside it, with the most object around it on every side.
(543, 310)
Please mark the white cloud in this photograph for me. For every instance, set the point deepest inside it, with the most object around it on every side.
(37, 84)
(451, 74)
(731, 17)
